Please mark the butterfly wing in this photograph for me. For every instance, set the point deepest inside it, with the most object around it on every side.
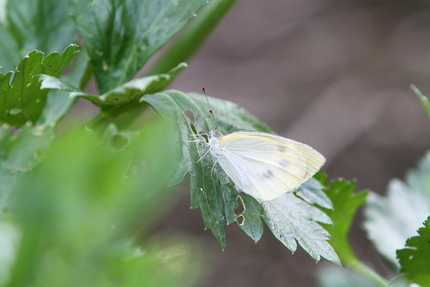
(267, 166)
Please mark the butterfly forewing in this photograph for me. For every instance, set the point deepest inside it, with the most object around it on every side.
(264, 165)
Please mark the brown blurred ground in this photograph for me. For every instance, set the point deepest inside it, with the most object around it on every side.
(333, 74)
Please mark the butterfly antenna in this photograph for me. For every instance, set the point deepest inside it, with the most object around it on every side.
(209, 106)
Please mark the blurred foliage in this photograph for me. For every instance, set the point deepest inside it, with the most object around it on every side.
(76, 210)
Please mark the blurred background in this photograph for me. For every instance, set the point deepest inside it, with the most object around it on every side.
(333, 74)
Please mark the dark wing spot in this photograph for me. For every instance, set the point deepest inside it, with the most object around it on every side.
(284, 163)
(282, 148)
(268, 174)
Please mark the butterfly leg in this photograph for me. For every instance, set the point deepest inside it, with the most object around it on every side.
(213, 167)
(204, 155)
(194, 141)
(197, 135)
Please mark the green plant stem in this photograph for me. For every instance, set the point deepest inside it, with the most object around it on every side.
(190, 40)
(86, 76)
(370, 273)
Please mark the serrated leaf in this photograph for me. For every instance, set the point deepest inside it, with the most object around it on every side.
(423, 99)
(415, 258)
(345, 204)
(390, 220)
(121, 37)
(172, 105)
(290, 219)
(21, 99)
(205, 191)
(311, 191)
(120, 95)
(58, 102)
(251, 217)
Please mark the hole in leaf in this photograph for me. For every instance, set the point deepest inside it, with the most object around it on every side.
(240, 206)
(240, 220)
(190, 115)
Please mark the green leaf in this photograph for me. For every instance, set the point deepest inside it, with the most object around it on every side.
(58, 102)
(120, 37)
(390, 220)
(290, 219)
(205, 191)
(18, 155)
(249, 219)
(172, 105)
(423, 99)
(43, 25)
(21, 99)
(415, 258)
(121, 95)
(345, 204)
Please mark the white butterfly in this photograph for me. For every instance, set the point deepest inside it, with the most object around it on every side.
(263, 165)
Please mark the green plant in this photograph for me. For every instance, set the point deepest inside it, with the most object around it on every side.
(73, 202)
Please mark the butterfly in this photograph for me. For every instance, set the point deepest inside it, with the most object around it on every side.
(263, 165)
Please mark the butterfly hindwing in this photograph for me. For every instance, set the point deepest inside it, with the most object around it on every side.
(264, 165)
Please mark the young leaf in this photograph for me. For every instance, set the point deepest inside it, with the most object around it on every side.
(345, 205)
(21, 99)
(43, 25)
(415, 258)
(121, 36)
(390, 220)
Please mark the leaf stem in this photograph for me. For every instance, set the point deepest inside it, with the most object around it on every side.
(86, 76)
(190, 40)
(369, 272)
